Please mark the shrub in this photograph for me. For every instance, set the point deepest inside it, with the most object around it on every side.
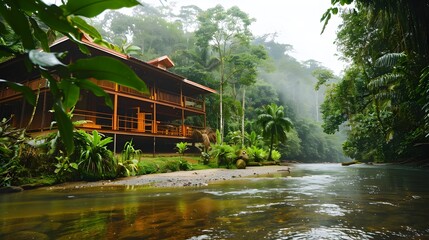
(275, 155)
(256, 154)
(128, 161)
(184, 165)
(224, 154)
(96, 161)
(181, 147)
(130, 152)
(147, 167)
(19, 159)
(205, 158)
(171, 165)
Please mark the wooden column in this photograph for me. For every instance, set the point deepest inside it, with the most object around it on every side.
(182, 102)
(115, 112)
(204, 104)
(154, 124)
(204, 110)
(21, 120)
(183, 123)
(42, 123)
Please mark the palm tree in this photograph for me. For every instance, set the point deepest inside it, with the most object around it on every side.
(274, 125)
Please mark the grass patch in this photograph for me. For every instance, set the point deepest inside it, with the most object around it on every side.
(172, 163)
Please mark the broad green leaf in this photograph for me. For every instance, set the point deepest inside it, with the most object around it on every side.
(74, 165)
(91, 8)
(18, 22)
(65, 127)
(96, 90)
(44, 59)
(54, 17)
(84, 26)
(71, 93)
(26, 91)
(40, 35)
(106, 68)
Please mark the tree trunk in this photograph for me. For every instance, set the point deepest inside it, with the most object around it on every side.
(221, 111)
(271, 147)
(242, 120)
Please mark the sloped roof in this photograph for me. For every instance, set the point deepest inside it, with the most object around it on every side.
(165, 60)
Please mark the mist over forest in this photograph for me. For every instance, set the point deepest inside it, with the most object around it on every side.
(148, 32)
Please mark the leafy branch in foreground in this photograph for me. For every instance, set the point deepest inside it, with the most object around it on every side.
(28, 24)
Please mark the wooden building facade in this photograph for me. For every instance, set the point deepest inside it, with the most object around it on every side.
(170, 112)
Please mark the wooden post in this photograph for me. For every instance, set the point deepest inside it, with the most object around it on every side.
(114, 143)
(182, 102)
(21, 121)
(115, 112)
(42, 123)
(154, 145)
(183, 123)
(154, 124)
(204, 104)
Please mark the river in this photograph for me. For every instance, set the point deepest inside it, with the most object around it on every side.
(314, 201)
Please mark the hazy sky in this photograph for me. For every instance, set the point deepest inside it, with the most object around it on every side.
(297, 23)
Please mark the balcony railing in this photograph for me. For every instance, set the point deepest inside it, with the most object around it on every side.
(133, 92)
(160, 95)
(193, 103)
(98, 120)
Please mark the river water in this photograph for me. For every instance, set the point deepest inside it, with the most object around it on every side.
(315, 201)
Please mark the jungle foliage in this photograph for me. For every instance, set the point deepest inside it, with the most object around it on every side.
(382, 101)
(213, 47)
(216, 48)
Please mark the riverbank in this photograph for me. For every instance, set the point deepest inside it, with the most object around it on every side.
(181, 178)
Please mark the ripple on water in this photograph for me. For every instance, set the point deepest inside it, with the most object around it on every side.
(383, 203)
(236, 193)
(330, 209)
(319, 233)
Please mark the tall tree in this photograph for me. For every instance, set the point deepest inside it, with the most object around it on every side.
(225, 31)
(274, 125)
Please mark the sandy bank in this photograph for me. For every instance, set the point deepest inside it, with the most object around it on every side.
(180, 179)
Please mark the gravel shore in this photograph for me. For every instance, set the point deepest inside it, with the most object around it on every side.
(181, 178)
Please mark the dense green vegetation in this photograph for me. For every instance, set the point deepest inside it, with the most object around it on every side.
(216, 48)
(382, 99)
(268, 102)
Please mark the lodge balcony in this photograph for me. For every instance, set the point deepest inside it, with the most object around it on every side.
(155, 94)
(158, 95)
(159, 113)
(140, 125)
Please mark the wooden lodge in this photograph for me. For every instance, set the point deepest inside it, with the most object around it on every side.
(172, 110)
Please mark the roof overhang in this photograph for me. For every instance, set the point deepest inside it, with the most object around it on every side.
(194, 88)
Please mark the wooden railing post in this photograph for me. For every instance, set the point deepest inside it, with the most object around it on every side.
(115, 112)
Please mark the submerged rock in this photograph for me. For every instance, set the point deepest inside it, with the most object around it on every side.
(25, 235)
(11, 189)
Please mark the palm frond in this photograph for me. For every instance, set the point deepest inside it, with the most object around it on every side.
(384, 80)
(390, 60)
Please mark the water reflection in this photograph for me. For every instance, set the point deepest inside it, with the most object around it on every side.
(317, 201)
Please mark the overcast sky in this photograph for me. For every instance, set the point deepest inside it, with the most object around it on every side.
(297, 23)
